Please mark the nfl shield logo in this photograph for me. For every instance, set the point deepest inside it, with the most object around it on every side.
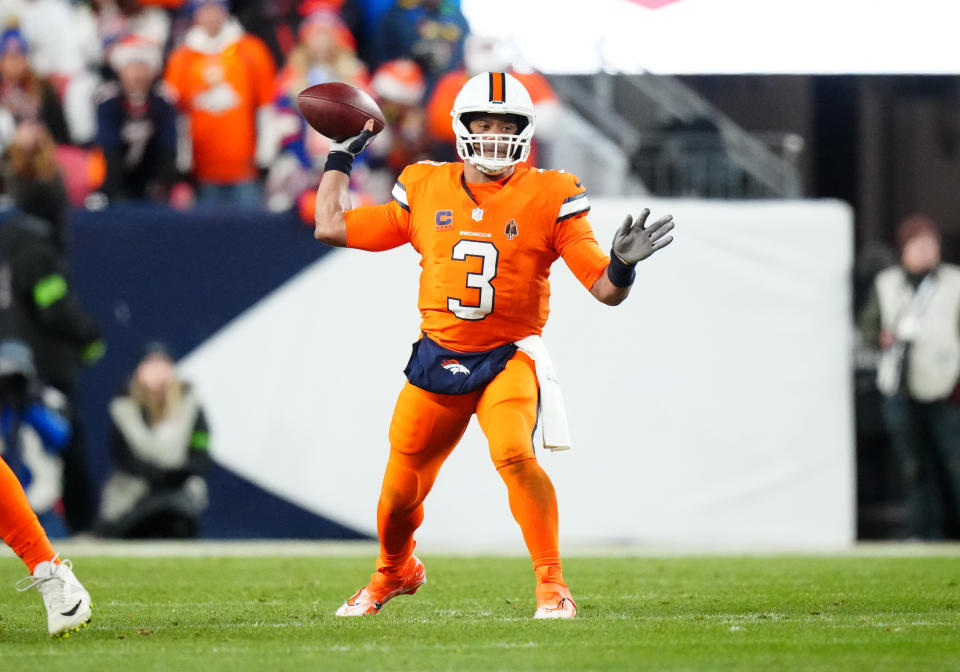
(510, 230)
(477, 214)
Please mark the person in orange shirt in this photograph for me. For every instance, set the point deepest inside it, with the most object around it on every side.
(222, 80)
(488, 230)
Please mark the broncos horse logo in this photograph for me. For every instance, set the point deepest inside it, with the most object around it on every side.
(455, 367)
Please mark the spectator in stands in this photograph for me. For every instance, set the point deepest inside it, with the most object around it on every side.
(222, 80)
(136, 126)
(37, 304)
(324, 54)
(62, 36)
(487, 54)
(159, 444)
(398, 87)
(431, 32)
(33, 433)
(363, 18)
(23, 93)
(276, 22)
(32, 178)
(101, 24)
(913, 314)
(66, 50)
(116, 19)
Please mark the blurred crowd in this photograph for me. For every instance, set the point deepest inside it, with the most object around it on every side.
(193, 102)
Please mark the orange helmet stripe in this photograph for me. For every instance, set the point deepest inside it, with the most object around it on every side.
(497, 87)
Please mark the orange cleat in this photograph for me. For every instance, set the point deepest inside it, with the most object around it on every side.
(382, 589)
(554, 601)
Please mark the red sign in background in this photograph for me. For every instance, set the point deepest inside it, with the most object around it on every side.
(653, 4)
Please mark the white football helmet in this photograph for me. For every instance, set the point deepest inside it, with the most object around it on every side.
(493, 93)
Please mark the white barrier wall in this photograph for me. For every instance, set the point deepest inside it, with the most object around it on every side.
(712, 409)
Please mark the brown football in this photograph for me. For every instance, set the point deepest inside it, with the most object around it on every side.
(338, 110)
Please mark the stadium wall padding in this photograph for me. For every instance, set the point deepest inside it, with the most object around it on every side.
(151, 273)
(712, 409)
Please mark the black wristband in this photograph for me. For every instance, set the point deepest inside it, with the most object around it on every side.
(620, 274)
(342, 161)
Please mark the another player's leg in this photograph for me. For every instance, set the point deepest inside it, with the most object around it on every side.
(66, 601)
(507, 412)
(424, 430)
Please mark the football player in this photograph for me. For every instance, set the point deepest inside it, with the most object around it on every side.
(66, 601)
(488, 230)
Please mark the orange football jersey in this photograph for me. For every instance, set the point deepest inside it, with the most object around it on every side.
(485, 265)
(220, 94)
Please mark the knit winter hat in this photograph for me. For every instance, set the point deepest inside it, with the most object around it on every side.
(12, 40)
(133, 48)
(400, 80)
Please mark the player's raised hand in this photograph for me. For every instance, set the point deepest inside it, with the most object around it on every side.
(634, 242)
(356, 144)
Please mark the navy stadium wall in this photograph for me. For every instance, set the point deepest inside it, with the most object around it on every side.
(151, 273)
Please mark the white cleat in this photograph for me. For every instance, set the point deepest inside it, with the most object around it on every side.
(370, 599)
(554, 601)
(66, 600)
(361, 604)
(564, 609)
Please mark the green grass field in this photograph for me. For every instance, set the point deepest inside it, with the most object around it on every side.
(846, 613)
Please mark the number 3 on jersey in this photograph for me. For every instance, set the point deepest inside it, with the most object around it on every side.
(481, 280)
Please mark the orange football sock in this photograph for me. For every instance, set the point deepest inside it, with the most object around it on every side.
(399, 514)
(533, 503)
(19, 526)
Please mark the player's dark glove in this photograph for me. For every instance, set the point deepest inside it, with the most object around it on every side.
(634, 243)
(343, 153)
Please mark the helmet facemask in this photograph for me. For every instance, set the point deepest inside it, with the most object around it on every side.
(493, 153)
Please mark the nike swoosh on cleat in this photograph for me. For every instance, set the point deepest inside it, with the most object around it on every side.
(378, 605)
(72, 611)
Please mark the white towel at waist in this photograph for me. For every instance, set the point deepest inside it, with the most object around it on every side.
(556, 432)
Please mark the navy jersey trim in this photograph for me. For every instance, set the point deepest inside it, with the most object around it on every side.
(574, 214)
